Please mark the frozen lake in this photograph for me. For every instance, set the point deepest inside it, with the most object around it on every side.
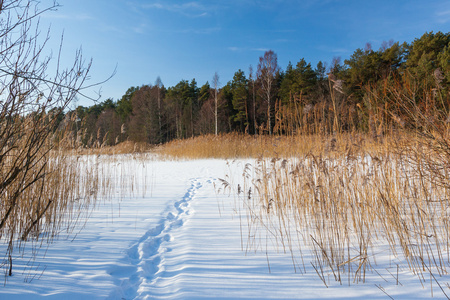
(172, 235)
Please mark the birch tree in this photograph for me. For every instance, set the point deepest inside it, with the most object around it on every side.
(252, 81)
(267, 69)
(216, 84)
(159, 85)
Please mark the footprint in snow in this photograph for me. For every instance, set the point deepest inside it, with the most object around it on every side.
(147, 254)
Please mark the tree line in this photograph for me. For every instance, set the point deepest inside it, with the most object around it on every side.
(342, 96)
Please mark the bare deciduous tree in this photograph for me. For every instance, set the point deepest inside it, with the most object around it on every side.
(216, 84)
(31, 105)
(252, 80)
(159, 85)
(267, 69)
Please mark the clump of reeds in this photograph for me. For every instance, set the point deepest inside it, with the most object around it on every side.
(59, 202)
(342, 209)
(126, 147)
(235, 145)
(43, 199)
(48, 189)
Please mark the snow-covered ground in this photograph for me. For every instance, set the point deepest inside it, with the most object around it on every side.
(178, 238)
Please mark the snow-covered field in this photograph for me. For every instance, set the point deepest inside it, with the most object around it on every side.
(173, 236)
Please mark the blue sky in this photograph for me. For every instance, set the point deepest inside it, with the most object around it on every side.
(193, 39)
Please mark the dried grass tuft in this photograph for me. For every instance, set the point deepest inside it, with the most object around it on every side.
(235, 145)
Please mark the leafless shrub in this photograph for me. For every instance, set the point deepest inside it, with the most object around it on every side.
(35, 181)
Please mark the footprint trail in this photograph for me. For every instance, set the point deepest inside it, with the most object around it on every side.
(147, 254)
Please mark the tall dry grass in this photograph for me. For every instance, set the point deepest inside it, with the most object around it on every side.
(126, 147)
(53, 194)
(236, 145)
(46, 199)
(344, 210)
(59, 204)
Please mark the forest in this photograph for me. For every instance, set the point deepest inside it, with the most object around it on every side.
(362, 93)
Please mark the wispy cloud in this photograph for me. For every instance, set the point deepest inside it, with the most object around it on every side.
(234, 49)
(260, 49)
(339, 50)
(190, 30)
(140, 29)
(190, 9)
(443, 16)
(202, 30)
(242, 49)
(334, 50)
(76, 17)
(107, 28)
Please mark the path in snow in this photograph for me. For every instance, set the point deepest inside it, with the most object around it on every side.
(147, 255)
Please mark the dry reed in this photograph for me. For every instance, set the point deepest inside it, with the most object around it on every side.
(36, 211)
(350, 208)
(235, 145)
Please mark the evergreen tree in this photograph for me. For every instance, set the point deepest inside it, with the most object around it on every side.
(428, 55)
(124, 107)
(239, 90)
(424, 51)
(298, 81)
(444, 64)
(204, 94)
(321, 70)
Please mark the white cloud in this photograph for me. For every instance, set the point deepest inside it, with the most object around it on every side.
(154, 5)
(339, 50)
(443, 16)
(77, 17)
(190, 9)
(234, 49)
(195, 30)
(260, 49)
(140, 29)
(240, 49)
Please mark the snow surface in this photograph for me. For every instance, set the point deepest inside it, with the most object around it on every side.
(171, 235)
